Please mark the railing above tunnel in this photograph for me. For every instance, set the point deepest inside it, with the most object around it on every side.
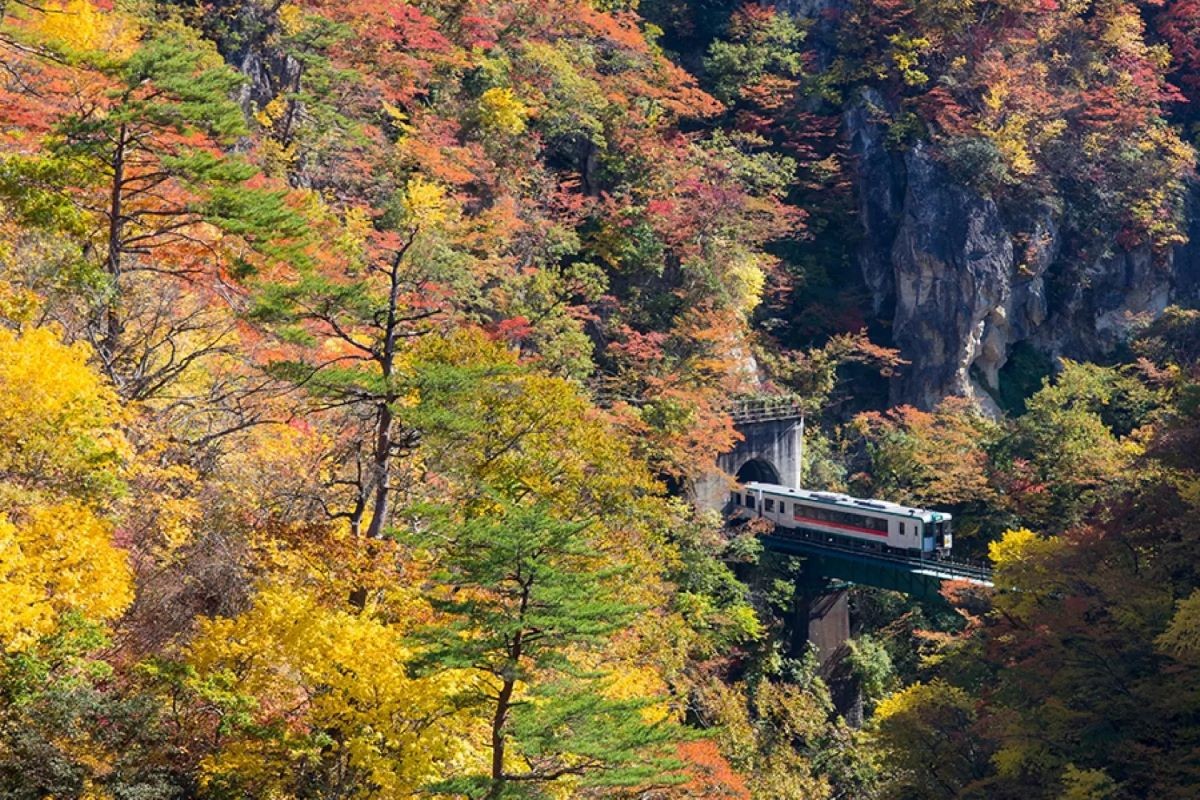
(766, 408)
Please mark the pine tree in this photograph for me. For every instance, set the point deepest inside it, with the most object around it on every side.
(363, 307)
(137, 166)
(527, 600)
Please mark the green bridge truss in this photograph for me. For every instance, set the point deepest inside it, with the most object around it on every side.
(918, 577)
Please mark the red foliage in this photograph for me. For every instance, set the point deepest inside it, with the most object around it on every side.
(1179, 26)
(710, 774)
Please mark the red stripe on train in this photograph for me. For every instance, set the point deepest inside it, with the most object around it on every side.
(854, 528)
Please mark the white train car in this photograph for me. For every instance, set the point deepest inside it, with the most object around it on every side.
(875, 524)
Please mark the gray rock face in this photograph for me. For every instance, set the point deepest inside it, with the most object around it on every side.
(268, 76)
(963, 284)
(951, 260)
(880, 194)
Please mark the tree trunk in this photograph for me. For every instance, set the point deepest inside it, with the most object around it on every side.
(111, 324)
(381, 467)
(499, 720)
(504, 698)
(381, 472)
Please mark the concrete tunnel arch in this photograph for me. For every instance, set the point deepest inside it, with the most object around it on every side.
(757, 469)
(769, 452)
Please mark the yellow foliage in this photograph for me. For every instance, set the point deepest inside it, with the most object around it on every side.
(425, 203)
(60, 446)
(640, 682)
(1086, 784)
(271, 463)
(1182, 637)
(272, 112)
(164, 509)
(58, 419)
(1124, 31)
(79, 26)
(501, 110)
(291, 18)
(1020, 547)
(907, 51)
(310, 669)
(56, 559)
(18, 304)
(1022, 755)
(747, 280)
(542, 434)
(1024, 571)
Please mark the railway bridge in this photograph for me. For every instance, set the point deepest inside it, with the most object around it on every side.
(771, 450)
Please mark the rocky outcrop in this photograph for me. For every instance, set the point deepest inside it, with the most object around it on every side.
(880, 194)
(951, 261)
(963, 282)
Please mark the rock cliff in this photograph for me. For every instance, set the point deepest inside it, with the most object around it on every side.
(962, 282)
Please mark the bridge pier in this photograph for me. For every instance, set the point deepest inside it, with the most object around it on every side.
(826, 622)
(820, 616)
(820, 619)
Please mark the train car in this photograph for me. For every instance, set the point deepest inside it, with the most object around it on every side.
(874, 524)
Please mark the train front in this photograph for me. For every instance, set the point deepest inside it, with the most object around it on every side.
(943, 534)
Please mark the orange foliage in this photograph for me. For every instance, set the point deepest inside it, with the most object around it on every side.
(710, 775)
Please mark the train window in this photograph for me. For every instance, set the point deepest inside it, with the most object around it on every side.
(735, 498)
(749, 501)
(768, 505)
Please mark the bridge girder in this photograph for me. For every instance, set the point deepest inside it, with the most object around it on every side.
(922, 580)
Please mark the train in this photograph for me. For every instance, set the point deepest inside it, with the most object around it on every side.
(852, 521)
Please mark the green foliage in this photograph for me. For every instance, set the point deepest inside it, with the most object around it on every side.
(526, 599)
(1077, 434)
(871, 665)
(758, 44)
(710, 596)
(926, 731)
(977, 162)
(67, 731)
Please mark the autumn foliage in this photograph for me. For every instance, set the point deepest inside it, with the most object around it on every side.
(357, 359)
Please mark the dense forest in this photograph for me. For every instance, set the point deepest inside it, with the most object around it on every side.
(358, 361)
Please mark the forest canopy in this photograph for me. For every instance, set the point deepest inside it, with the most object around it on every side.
(360, 361)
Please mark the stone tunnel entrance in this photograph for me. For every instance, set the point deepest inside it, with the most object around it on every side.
(758, 469)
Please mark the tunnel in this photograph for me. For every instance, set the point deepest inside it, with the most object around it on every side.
(759, 470)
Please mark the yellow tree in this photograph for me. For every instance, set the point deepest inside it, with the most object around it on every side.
(540, 530)
(317, 699)
(61, 457)
(64, 730)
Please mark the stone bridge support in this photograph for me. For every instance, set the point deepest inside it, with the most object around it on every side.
(772, 451)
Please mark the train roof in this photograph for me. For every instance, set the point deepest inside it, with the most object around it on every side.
(846, 501)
